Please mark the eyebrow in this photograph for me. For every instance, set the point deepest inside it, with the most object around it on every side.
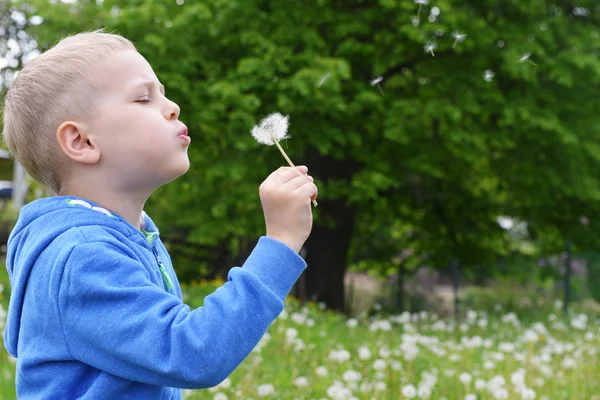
(151, 84)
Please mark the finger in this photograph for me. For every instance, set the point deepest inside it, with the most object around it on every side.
(276, 173)
(297, 182)
(310, 178)
(309, 190)
(288, 174)
(302, 168)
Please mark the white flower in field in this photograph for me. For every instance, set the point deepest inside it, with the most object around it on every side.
(552, 317)
(384, 352)
(464, 327)
(411, 352)
(283, 315)
(500, 394)
(364, 353)
(273, 126)
(424, 392)
(488, 75)
(301, 381)
(507, 347)
(339, 356)
(409, 391)
(558, 305)
(546, 357)
(471, 316)
(396, 365)
(379, 364)
(569, 347)
(291, 334)
(567, 363)
(352, 376)
(380, 386)
(489, 365)
(454, 358)
(265, 390)
(298, 318)
(530, 336)
(546, 370)
(321, 371)
(579, 322)
(589, 336)
(539, 382)
(528, 394)
(322, 306)
(483, 323)
(310, 322)
(338, 391)
(422, 2)
(465, 378)
(471, 397)
(220, 396)
(365, 387)
(480, 384)
(439, 325)
(540, 328)
(352, 323)
(382, 325)
(496, 382)
(517, 378)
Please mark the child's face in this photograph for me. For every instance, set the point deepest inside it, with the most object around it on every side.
(136, 127)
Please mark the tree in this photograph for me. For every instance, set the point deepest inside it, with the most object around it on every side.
(445, 141)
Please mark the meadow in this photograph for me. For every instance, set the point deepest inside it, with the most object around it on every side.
(312, 353)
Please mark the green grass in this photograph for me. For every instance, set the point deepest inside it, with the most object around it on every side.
(494, 354)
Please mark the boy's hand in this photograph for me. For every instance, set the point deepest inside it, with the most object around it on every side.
(286, 196)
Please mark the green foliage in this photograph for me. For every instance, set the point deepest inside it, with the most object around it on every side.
(440, 154)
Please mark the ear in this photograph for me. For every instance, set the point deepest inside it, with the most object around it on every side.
(76, 143)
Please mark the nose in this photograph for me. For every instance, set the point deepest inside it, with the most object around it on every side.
(171, 111)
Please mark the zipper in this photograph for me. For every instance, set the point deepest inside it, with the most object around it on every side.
(163, 271)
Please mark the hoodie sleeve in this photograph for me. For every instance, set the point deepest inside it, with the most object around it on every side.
(117, 320)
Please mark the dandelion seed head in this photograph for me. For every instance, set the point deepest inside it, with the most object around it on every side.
(488, 75)
(422, 2)
(525, 57)
(377, 80)
(459, 37)
(274, 125)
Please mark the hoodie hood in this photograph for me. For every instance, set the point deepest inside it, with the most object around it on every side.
(39, 223)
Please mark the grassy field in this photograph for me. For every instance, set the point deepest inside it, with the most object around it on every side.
(311, 353)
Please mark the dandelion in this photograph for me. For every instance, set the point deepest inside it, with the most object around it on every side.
(352, 376)
(352, 323)
(488, 75)
(374, 82)
(430, 47)
(364, 353)
(421, 3)
(321, 371)
(301, 381)
(270, 131)
(470, 397)
(409, 391)
(220, 396)
(265, 390)
(525, 58)
(465, 378)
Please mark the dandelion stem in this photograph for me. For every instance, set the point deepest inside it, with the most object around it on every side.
(380, 89)
(291, 164)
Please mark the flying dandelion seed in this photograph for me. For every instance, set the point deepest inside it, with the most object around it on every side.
(323, 79)
(525, 58)
(421, 3)
(377, 81)
(429, 47)
(488, 75)
(458, 37)
(270, 131)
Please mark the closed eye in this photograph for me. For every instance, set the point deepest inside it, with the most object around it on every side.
(143, 101)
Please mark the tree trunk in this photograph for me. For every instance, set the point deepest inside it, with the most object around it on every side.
(400, 294)
(567, 279)
(326, 255)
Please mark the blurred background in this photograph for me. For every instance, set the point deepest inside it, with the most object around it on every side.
(455, 143)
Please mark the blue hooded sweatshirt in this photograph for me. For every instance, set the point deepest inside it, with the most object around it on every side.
(96, 310)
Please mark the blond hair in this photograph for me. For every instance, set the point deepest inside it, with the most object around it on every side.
(53, 88)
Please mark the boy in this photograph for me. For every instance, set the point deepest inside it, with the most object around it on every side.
(96, 310)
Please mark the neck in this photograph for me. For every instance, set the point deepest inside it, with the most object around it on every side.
(128, 205)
